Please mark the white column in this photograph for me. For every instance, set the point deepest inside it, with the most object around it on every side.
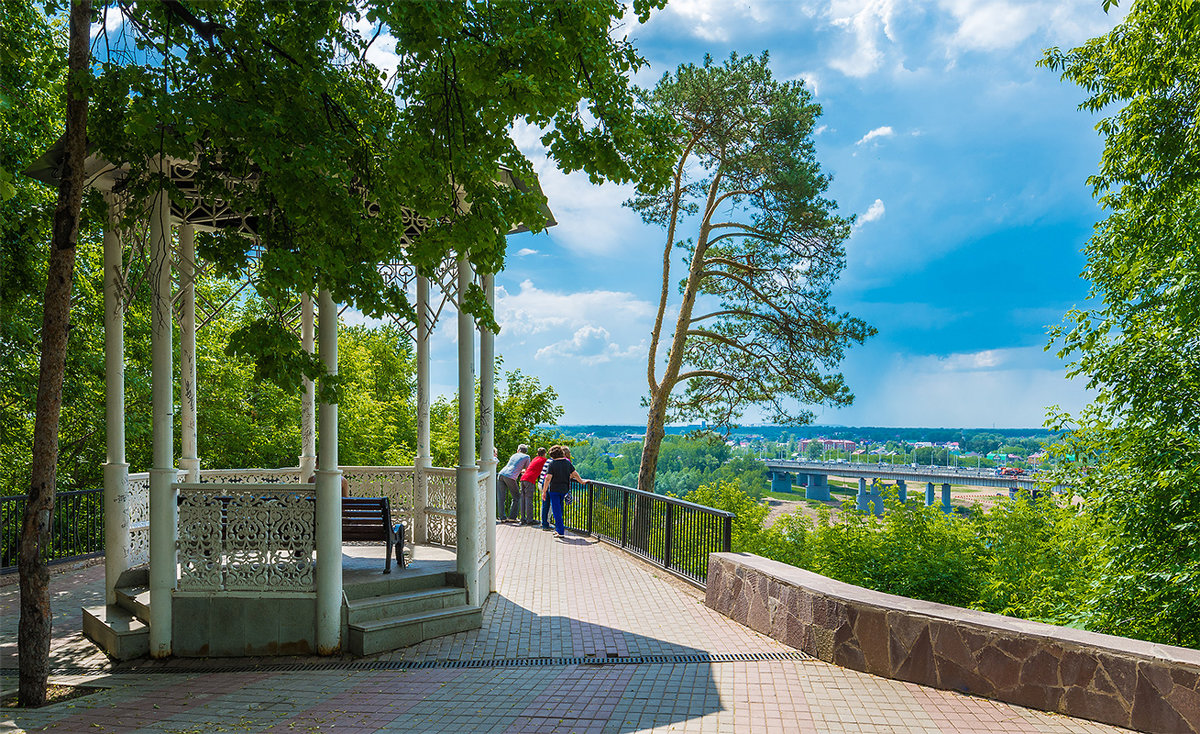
(117, 540)
(163, 510)
(308, 402)
(189, 461)
(466, 474)
(420, 531)
(487, 428)
(329, 497)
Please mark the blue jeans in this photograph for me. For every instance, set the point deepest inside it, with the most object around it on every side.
(546, 513)
(556, 505)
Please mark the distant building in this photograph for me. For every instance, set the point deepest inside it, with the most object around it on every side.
(828, 444)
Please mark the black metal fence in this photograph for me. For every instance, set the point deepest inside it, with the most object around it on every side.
(666, 531)
(76, 530)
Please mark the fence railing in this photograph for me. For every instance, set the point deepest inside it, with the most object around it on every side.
(669, 532)
(672, 533)
(76, 530)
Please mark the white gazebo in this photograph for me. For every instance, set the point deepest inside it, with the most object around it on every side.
(250, 561)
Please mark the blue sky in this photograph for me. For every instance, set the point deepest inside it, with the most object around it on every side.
(964, 162)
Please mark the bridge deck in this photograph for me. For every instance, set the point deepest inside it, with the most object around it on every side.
(921, 474)
(676, 666)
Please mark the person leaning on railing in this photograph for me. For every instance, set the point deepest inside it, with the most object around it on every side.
(510, 477)
(559, 473)
(529, 480)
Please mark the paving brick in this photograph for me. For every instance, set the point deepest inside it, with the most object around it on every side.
(571, 598)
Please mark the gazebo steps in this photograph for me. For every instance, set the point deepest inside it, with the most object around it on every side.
(404, 604)
(396, 583)
(135, 600)
(117, 631)
(381, 635)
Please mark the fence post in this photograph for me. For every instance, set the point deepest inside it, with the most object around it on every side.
(624, 518)
(669, 536)
(591, 504)
(727, 541)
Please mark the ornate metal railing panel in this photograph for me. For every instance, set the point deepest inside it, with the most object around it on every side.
(397, 483)
(441, 513)
(137, 492)
(246, 537)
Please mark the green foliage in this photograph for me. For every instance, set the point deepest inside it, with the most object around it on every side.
(749, 513)
(287, 118)
(1034, 559)
(1135, 448)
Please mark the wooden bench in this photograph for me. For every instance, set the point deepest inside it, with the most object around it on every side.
(370, 518)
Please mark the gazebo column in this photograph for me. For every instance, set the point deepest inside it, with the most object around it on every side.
(467, 475)
(420, 530)
(329, 497)
(308, 402)
(163, 509)
(487, 427)
(117, 539)
(189, 460)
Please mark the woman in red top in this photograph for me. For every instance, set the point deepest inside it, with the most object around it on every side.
(529, 485)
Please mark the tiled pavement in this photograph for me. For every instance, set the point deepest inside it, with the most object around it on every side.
(557, 599)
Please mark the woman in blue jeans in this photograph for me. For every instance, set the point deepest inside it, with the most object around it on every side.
(559, 473)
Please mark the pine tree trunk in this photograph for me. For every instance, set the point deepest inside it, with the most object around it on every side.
(33, 633)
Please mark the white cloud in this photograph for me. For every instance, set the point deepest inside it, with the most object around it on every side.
(535, 311)
(996, 25)
(867, 22)
(526, 251)
(111, 21)
(589, 345)
(720, 20)
(879, 132)
(874, 212)
(811, 81)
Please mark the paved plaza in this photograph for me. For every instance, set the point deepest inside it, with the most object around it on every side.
(579, 638)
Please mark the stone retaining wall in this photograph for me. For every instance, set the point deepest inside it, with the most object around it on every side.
(1115, 680)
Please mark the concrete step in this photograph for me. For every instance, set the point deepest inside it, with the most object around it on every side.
(404, 603)
(136, 576)
(117, 631)
(396, 583)
(135, 600)
(369, 638)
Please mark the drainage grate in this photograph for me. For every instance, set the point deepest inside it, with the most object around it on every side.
(375, 665)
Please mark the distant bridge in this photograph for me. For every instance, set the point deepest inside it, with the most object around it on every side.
(814, 476)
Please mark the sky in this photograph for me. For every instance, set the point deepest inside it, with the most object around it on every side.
(963, 161)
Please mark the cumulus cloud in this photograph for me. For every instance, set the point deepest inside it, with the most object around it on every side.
(590, 345)
(526, 251)
(534, 311)
(996, 25)
(879, 132)
(111, 21)
(868, 22)
(874, 212)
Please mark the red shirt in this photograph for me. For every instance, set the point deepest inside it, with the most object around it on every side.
(535, 469)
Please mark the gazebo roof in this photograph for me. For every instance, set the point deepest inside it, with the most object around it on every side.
(204, 214)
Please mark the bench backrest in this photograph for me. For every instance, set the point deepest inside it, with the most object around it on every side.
(366, 518)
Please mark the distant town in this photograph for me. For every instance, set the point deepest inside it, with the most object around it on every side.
(978, 447)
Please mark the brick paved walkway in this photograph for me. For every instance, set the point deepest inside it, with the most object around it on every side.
(557, 599)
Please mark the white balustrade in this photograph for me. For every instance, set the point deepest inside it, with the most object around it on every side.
(246, 537)
(397, 483)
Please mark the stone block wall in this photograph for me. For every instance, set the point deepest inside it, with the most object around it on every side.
(1115, 680)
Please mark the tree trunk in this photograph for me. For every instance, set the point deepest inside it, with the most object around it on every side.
(33, 634)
